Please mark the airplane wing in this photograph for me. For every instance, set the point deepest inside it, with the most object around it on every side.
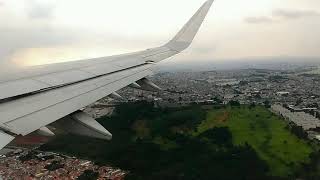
(53, 94)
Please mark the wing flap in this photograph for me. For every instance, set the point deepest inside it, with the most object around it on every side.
(5, 139)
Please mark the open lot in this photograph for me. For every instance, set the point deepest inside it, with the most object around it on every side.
(265, 132)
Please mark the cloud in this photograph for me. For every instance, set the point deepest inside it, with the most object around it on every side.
(294, 14)
(282, 14)
(15, 40)
(27, 45)
(258, 20)
(50, 30)
(40, 10)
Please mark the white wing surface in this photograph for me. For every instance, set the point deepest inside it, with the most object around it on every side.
(39, 96)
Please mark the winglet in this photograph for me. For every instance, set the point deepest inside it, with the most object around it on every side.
(185, 36)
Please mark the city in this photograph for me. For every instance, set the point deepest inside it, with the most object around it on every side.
(34, 164)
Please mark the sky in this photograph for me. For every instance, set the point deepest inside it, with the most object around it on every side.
(34, 32)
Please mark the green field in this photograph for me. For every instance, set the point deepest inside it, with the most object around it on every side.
(196, 142)
(265, 132)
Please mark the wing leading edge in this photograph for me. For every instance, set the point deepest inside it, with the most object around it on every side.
(62, 89)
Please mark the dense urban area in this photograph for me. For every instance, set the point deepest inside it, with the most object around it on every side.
(22, 163)
(210, 101)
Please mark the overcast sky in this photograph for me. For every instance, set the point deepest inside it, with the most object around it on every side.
(47, 31)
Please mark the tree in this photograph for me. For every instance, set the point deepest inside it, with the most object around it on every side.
(252, 105)
(54, 166)
(88, 175)
(218, 100)
(220, 135)
(267, 104)
(298, 102)
(299, 132)
(234, 103)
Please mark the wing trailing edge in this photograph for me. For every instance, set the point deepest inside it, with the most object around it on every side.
(5, 139)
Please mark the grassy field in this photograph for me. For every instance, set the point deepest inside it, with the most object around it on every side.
(265, 132)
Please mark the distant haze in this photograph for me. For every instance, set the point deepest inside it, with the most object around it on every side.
(48, 31)
(272, 63)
